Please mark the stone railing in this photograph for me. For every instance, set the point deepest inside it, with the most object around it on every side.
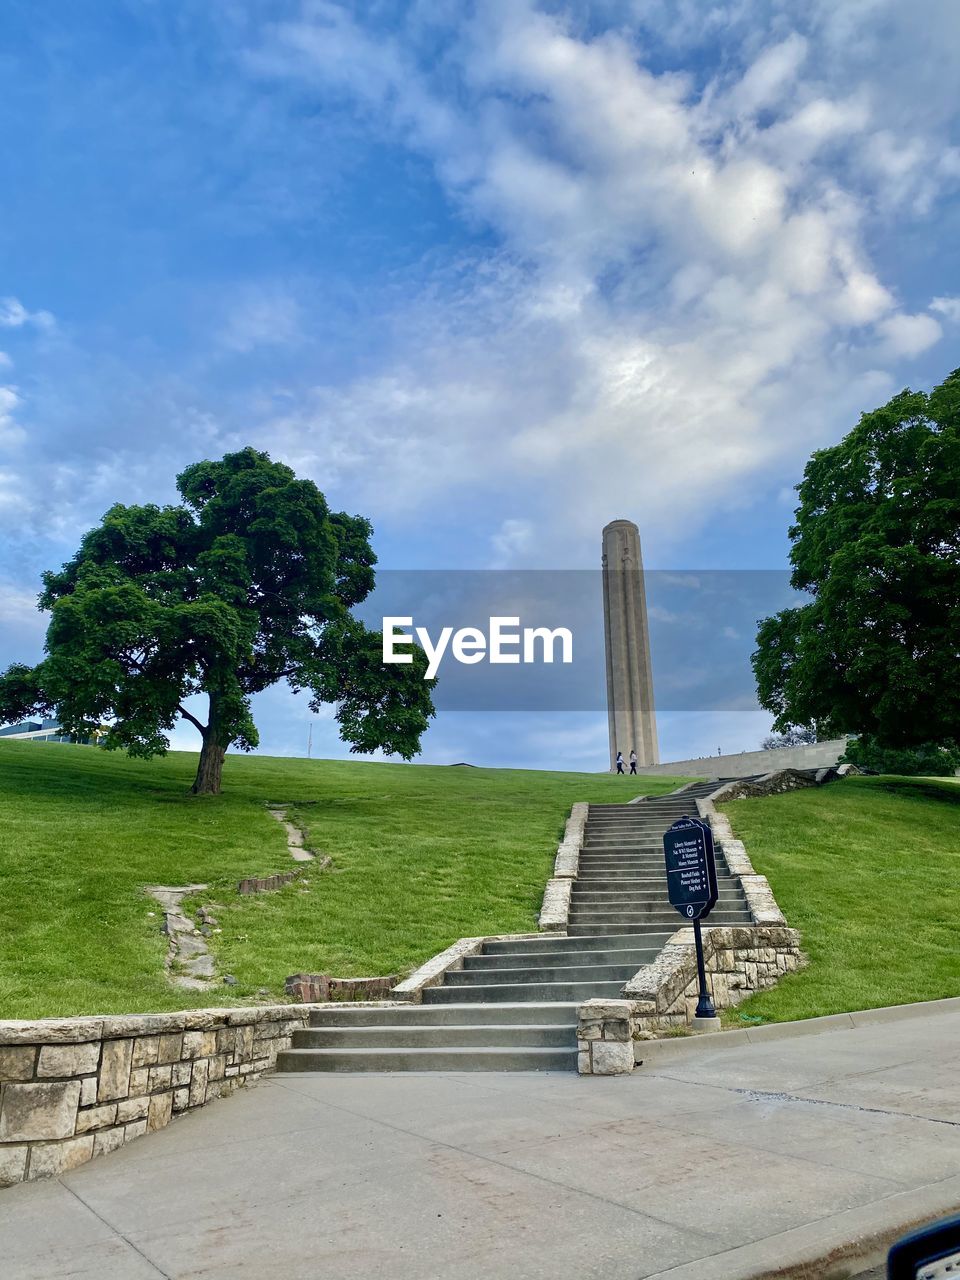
(75, 1088)
(555, 911)
(756, 889)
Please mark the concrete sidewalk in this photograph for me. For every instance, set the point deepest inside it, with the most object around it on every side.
(716, 1163)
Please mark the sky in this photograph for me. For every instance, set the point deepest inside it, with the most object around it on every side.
(492, 274)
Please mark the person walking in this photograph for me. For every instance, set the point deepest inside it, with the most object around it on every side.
(633, 761)
(619, 762)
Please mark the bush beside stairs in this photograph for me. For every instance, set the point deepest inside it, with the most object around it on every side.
(513, 1007)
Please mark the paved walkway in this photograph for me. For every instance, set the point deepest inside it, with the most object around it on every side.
(707, 1165)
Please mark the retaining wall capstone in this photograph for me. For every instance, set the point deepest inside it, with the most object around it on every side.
(555, 909)
(75, 1088)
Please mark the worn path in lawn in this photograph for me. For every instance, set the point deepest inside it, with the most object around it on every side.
(720, 1161)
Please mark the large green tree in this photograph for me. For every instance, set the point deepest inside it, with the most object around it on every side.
(250, 581)
(876, 545)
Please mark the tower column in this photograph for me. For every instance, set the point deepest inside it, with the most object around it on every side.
(630, 710)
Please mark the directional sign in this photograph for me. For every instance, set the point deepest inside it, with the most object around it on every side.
(691, 868)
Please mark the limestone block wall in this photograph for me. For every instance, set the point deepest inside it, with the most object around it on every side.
(740, 959)
(662, 996)
(75, 1088)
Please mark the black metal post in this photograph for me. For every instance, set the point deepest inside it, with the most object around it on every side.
(705, 1007)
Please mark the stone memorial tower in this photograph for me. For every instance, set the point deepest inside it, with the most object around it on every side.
(630, 711)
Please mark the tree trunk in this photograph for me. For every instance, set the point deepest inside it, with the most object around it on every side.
(210, 768)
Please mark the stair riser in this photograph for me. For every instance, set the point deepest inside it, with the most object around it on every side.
(630, 864)
(428, 1015)
(625, 919)
(652, 894)
(435, 1060)
(439, 1037)
(493, 964)
(608, 877)
(552, 942)
(517, 991)
(466, 978)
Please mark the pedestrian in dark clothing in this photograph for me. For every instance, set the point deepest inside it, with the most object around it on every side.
(633, 762)
(619, 762)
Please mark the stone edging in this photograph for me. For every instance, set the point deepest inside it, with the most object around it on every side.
(431, 973)
(555, 909)
(760, 900)
(75, 1088)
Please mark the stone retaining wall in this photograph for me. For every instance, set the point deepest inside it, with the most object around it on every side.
(662, 996)
(75, 1088)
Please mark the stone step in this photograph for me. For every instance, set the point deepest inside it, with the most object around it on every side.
(475, 1058)
(627, 858)
(513, 991)
(588, 933)
(588, 956)
(658, 918)
(460, 1014)
(726, 898)
(631, 840)
(726, 885)
(557, 942)
(465, 978)
(618, 879)
(442, 1036)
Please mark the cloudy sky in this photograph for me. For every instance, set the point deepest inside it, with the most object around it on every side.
(491, 273)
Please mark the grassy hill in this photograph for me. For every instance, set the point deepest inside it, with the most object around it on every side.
(422, 855)
(869, 870)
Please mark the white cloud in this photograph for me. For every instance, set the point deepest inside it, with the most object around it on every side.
(949, 308)
(261, 318)
(17, 606)
(11, 433)
(14, 315)
(905, 335)
(512, 539)
(683, 293)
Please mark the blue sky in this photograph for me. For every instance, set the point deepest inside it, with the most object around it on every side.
(493, 274)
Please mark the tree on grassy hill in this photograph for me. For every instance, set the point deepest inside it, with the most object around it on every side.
(250, 581)
(876, 544)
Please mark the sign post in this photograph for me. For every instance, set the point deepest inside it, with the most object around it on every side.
(692, 887)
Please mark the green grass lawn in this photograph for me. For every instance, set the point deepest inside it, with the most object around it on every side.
(422, 855)
(869, 870)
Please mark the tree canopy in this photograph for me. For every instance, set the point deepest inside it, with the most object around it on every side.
(250, 581)
(876, 545)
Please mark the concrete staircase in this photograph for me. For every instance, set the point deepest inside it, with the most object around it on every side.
(437, 1037)
(514, 1006)
(621, 883)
